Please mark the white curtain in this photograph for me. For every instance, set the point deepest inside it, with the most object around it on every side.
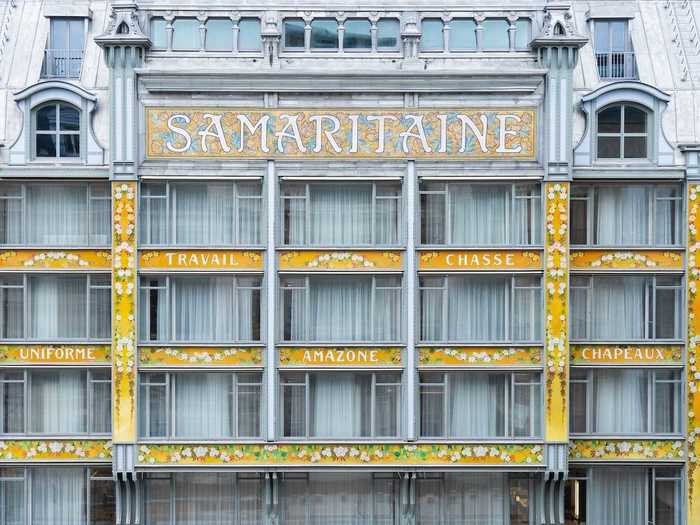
(622, 215)
(341, 309)
(478, 213)
(203, 213)
(203, 405)
(477, 308)
(620, 401)
(476, 405)
(618, 496)
(12, 490)
(57, 307)
(340, 214)
(618, 307)
(204, 498)
(433, 223)
(204, 309)
(527, 313)
(58, 496)
(665, 223)
(386, 227)
(58, 401)
(340, 405)
(11, 218)
(57, 214)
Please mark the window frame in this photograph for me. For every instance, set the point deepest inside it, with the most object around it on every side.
(628, 53)
(48, 72)
(58, 133)
(648, 135)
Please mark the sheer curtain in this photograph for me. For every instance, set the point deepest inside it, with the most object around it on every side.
(204, 308)
(620, 401)
(618, 496)
(618, 307)
(340, 404)
(57, 214)
(11, 216)
(203, 213)
(478, 213)
(622, 215)
(57, 306)
(58, 496)
(203, 405)
(341, 214)
(204, 498)
(341, 309)
(12, 491)
(477, 308)
(58, 401)
(476, 405)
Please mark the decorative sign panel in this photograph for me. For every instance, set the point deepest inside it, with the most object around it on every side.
(626, 355)
(511, 260)
(55, 450)
(693, 357)
(480, 356)
(354, 455)
(626, 450)
(201, 260)
(199, 356)
(449, 133)
(345, 260)
(339, 357)
(627, 260)
(63, 260)
(70, 354)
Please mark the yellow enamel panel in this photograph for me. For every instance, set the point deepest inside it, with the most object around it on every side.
(480, 260)
(56, 450)
(340, 260)
(626, 354)
(626, 450)
(201, 260)
(627, 260)
(449, 133)
(63, 260)
(556, 282)
(693, 353)
(356, 455)
(339, 357)
(124, 288)
(480, 356)
(199, 356)
(69, 354)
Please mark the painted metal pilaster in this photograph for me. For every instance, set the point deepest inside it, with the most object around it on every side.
(410, 279)
(271, 301)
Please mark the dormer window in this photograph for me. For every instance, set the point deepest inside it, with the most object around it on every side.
(57, 131)
(63, 56)
(622, 132)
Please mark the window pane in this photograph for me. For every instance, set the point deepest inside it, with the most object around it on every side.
(618, 308)
(102, 501)
(70, 118)
(618, 35)
(101, 420)
(12, 404)
(462, 34)
(433, 219)
(479, 213)
(635, 120)
(357, 34)
(186, 34)
(46, 118)
(11, 309)
(324, 34)
(602, 37)
(666, 502)
(45, 145)
(477, 404)
(522, 33)
(667, 313)
(620, 401)
(58, 401)
(476, 308)
(152, 407)
(100, 313)
(153, 311)
(70, 145)
(609, 120)
(527, 313)
(340, 405)
(622, 214)
(666, 221)
(12, 491)
(666, 405)
(495, 35)
(203, 405)
(157, 499)
(248, 410)
(635, 147)
(294, 397)
(294, 33)
(432, 410)
(431, 38)
(57, 214)
(204, 214)
(579, 221)
(387, 409)
(609, 147)
(158, 34)
(387, 33)
(58, 495)
(577, 421)
(57, 307)
(219, 34)
(249, 34)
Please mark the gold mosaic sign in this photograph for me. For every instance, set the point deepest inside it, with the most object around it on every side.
(63, 260)
(511, 260)
(480, 356)
(626, 355)
(201, 260)
(70, 354)
(449, 133)
(345, 260)
(626, 450)
(55, 450)
(627, 260)
(339, 357)
(199, 356)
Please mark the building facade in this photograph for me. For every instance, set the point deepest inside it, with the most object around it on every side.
(296, 263)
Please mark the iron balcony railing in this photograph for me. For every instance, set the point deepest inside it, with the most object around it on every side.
(616, 65)
(62, 63)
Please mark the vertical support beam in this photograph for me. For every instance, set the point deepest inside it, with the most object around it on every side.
(271, 302)
(693, 377)
(410, 287)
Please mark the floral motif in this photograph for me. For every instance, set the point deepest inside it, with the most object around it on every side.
(341, 454)
(339, 356)
(625, 259)
(645, 450)
(354, 260)
(55, 450)
(200, 356)
(479, 356)
(693, 374)
(55, 259)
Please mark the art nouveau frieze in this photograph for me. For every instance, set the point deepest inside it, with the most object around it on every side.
(591, 260)
(61, 260)
(55, 450)
(480, 357)
(200, 357)
(629, 450)
(340, 260)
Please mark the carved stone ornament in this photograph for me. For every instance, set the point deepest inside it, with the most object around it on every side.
(123, 27)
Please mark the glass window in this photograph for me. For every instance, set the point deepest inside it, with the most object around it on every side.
(522, 33)
(495, 35)
(432, 34)
(200, 404)
(387, 34)
(347, 214)
(186, 34)
(294, 29)
(219, 35)
(341, 404)
(324, 33)
(622, 132)
(462, 34)
(55, 401)
(63, 56)
(480, 214)
(341, 308)
(357, 34)
(159, 39)
(201, 213)
(57, 131)
(478, 308)
(625, 401)
(480, 404)
(613, 50)
(249, 34)
(626, 307)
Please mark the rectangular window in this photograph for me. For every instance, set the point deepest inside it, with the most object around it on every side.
(341, 308)
(341, 404)
(613, 50)
(57, 307)
(477, 214)
(56, 401)
(199, 308)
(324, 34)
(249, 35)
(462, 34)
(57, 495)
(625, 401)
(388, 34)
(63, 56)
(357, 34)
(186, 34)
(294, 34)
(432, 36)
(480, 404)
(159, 39)
(201, 213)
(630, 494)
(341, 214)
(495, 35)
(210, 405)
(475, 308)
(630, 215)
(55, 214)
(626, 307)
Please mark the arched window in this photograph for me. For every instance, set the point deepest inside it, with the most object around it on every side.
(622, 132)
(57, 131)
